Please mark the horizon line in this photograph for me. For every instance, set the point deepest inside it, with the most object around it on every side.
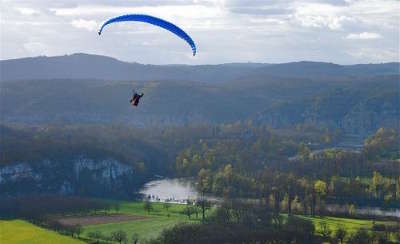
(182, 64)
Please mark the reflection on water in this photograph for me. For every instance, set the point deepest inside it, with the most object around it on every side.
(379, 212)
(172, 190)
(180, 190)
(366, 211)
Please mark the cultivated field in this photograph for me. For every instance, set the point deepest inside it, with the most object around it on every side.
(95, 220)
(19, 231)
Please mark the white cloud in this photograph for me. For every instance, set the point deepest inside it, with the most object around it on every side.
(89, 25)
(224, 30)
(320, 15)
(34, 48)
(27, 11)
(320, 21)
(375, 55)
(364, 36)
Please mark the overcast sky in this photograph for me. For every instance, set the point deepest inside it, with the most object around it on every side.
(272, 31)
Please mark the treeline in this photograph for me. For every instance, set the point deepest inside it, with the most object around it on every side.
(37, 207)
(249, 148)
(43, 210)
(151, 149)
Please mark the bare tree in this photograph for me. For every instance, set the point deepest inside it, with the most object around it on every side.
(166, 206)
(118, 236)
(324, 230)
(135, 238)
(147, 206)
(340, 234)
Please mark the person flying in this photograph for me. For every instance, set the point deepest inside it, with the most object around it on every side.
(135, 99)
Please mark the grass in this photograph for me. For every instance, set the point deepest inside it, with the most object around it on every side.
(19, 231)
(148, 228)
(350, 225)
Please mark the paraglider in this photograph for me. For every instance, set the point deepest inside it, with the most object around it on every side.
(154, 21)
(157, 22)
(135, 98)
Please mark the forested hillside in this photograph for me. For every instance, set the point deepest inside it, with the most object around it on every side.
(354, 106)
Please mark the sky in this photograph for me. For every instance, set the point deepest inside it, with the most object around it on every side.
(269, 31)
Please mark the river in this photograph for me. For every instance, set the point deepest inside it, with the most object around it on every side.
(180, 190)
(170, 190)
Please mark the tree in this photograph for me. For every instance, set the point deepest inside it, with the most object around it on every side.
(320, 191)
(188, 210)
(204, 204)
(381, 238)
(304, 152)
(77, 229)
(116, 206)
(320, 187)
(148, 206)
(360, 237)
(135, 238)
(106, 208)
(397, 235)
(290, 189)
(118, 236)
(377, 185)
(204, 183)
(196, 211)
(352, 210)
(340, 234)
(384, 144)
(97, 235)
(166, 206)
(324, 230)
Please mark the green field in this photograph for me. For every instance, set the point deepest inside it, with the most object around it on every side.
(350, 225)
(19, 231)
(146, 228)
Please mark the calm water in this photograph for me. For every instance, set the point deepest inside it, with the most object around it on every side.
(174, 190)
(369, 211)
(180, 190)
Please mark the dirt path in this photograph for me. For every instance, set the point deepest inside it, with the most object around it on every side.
(103, 219)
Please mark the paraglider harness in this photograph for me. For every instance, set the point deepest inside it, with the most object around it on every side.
(135, 98)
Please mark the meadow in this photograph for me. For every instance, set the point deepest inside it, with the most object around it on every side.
(350, 225)
(156, 220)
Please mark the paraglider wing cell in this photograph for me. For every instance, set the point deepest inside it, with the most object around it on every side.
(154, 21)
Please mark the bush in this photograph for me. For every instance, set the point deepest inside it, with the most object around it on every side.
(118, 236)
(324, 230)
(95, 235)
(360, 237)
(340, 234)
(379, 227)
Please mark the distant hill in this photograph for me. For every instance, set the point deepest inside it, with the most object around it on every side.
(86, 66)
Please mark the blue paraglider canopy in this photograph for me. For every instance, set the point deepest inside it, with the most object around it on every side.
(154, 21)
